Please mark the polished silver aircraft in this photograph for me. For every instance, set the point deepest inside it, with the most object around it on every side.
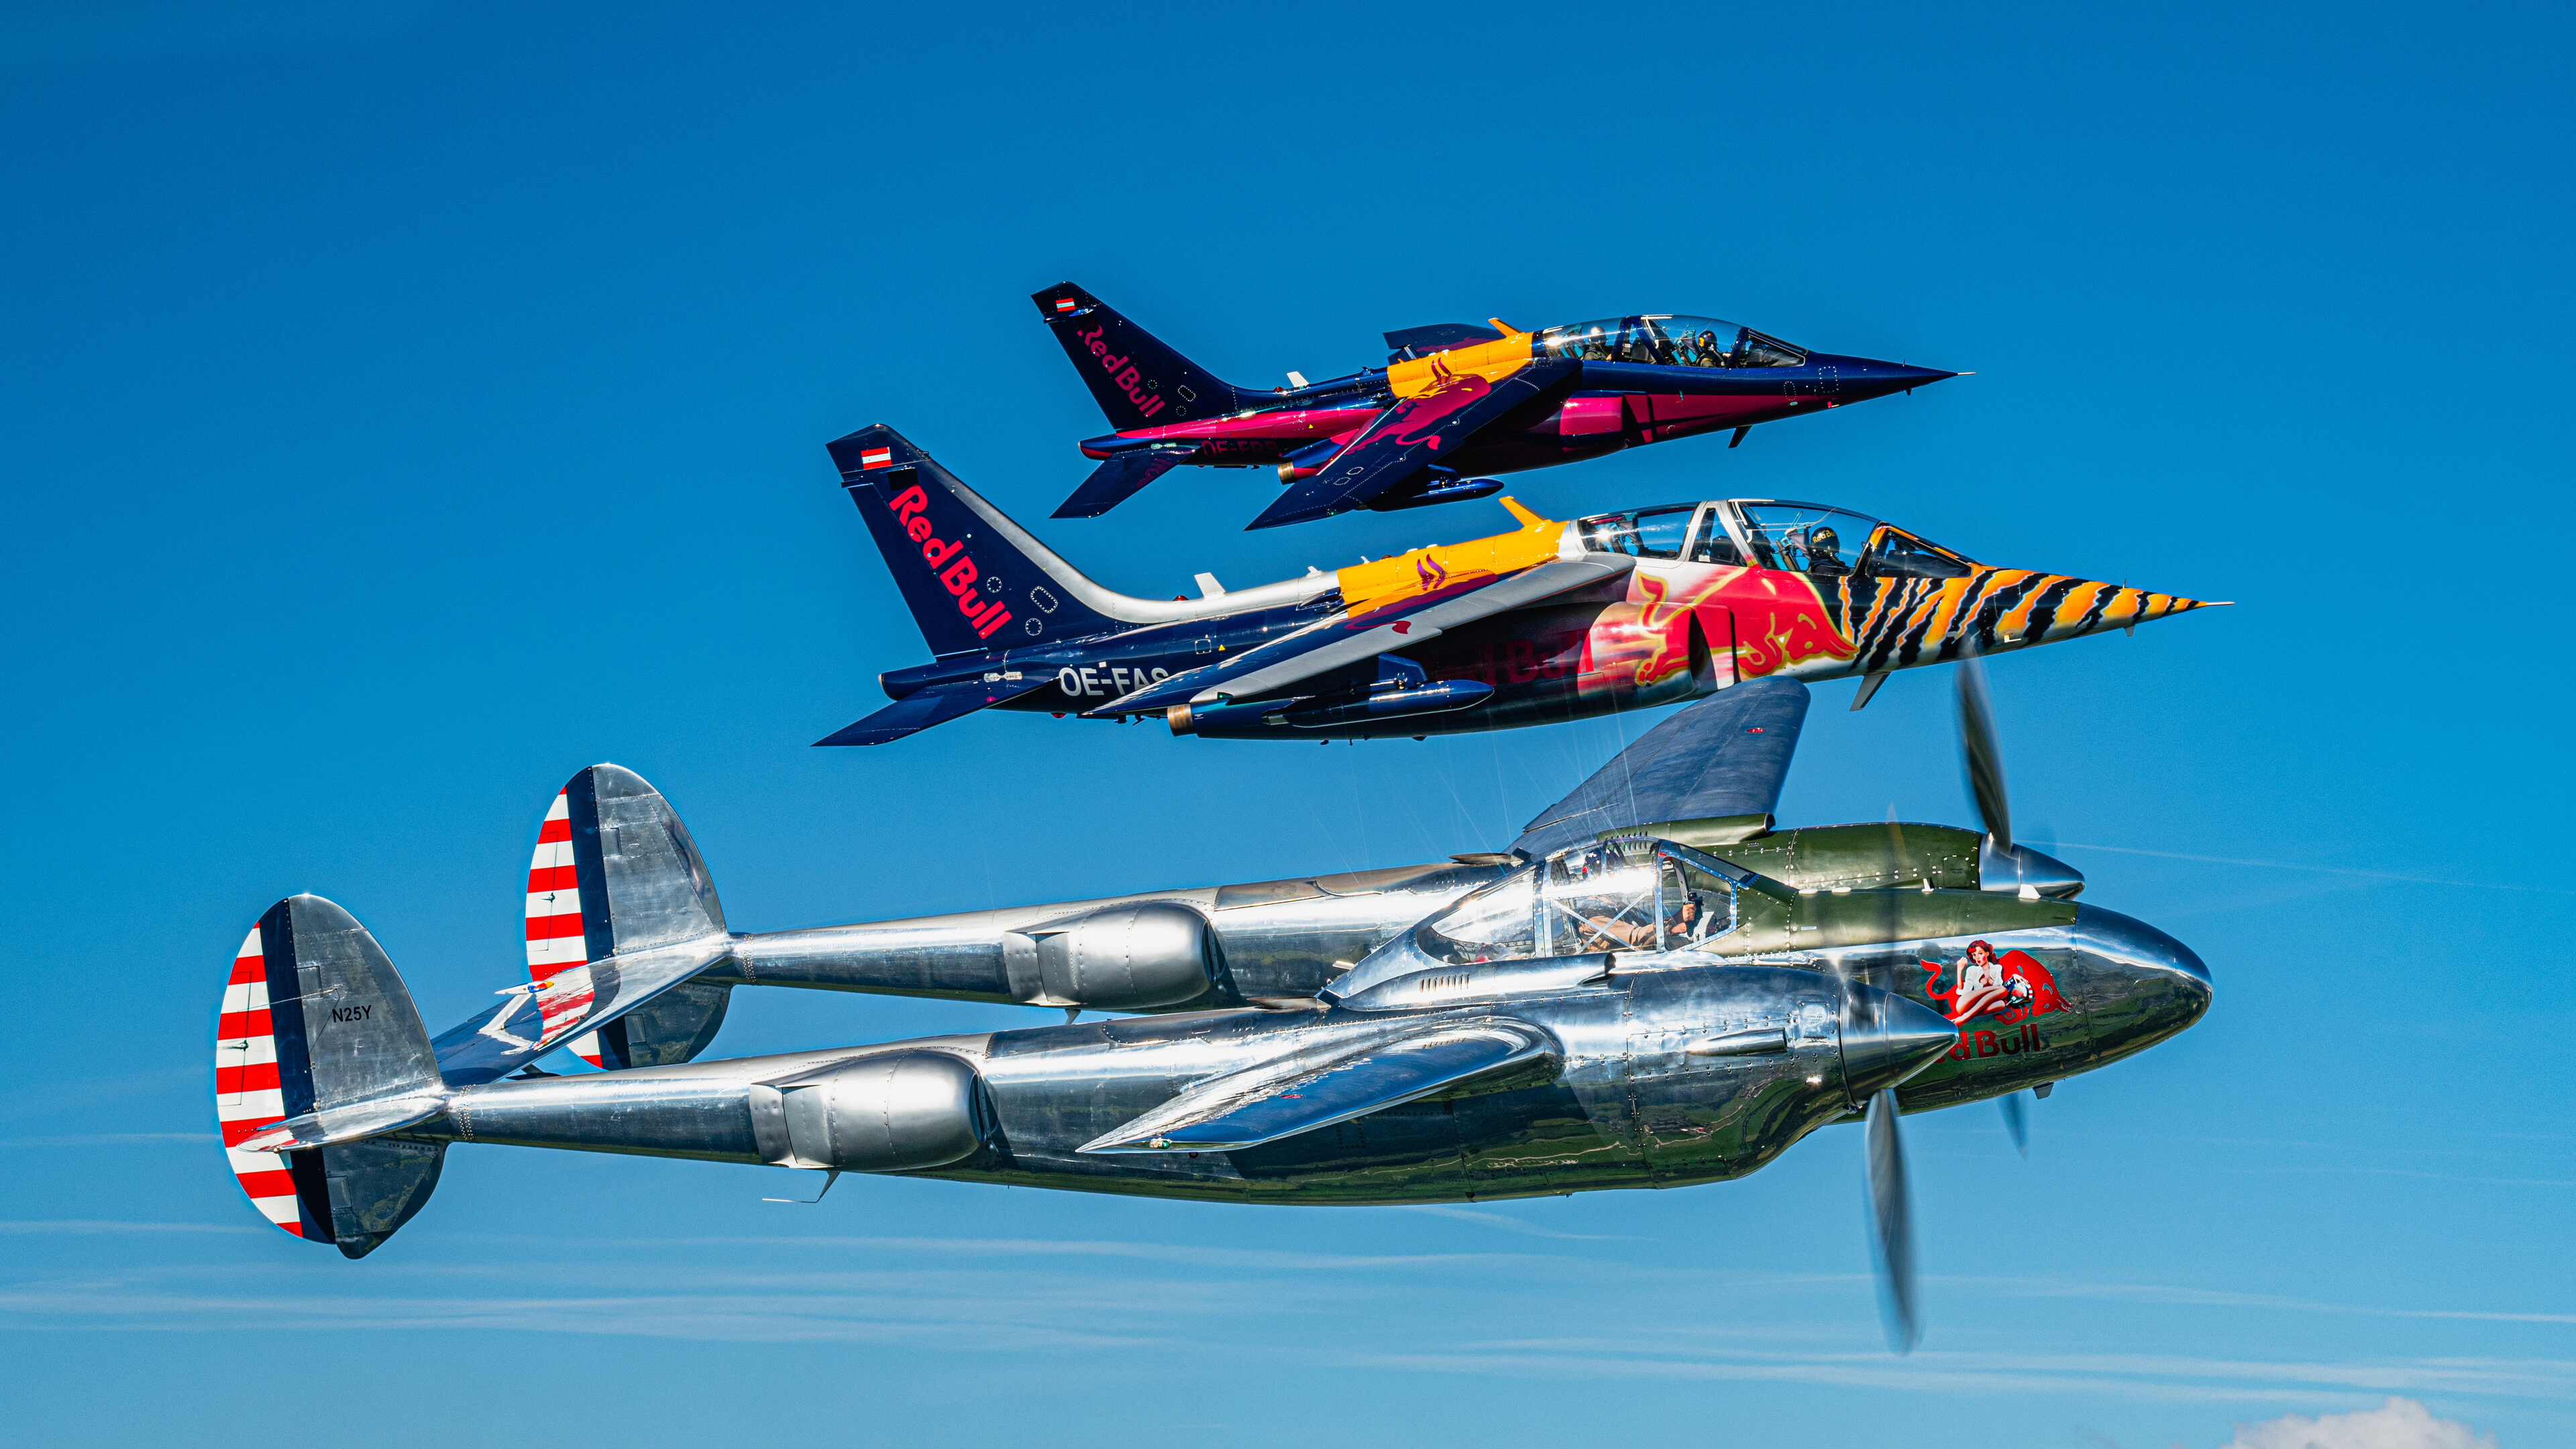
(1652, 987)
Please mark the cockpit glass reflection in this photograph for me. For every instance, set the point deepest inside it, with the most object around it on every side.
(1803, 538)
(1645, 533)
(1902, 555)
(1632, 895)
(1663, 340)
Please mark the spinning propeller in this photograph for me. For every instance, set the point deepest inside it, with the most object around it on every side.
(1982, 759)
(2032, 875)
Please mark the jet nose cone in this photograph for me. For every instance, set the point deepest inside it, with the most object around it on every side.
(1887, 1039)
(1869, 377)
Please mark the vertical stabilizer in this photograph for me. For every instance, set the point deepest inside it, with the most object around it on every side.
(317, 1029)
(615, 871)
(1137, 379)
(973, 579)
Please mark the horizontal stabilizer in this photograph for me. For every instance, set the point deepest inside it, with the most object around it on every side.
(532, 1021)
(1117, 480)
(935, 705)
(1282, 1099)
(345, 1124)
(1726, 755)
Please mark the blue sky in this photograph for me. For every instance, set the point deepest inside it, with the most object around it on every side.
(407, 408)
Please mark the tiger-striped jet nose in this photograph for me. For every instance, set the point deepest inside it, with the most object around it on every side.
(2008, 608)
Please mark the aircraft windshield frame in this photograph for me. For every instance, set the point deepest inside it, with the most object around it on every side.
(1629, 894)
(1778, 534)
(1666, 339)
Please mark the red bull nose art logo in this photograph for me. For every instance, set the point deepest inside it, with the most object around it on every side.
(957, 572)
(2013, 990)
(1147, 401)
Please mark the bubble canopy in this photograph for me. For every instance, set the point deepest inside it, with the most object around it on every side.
(1810, 538)
(1626, 895)
(1668, 340)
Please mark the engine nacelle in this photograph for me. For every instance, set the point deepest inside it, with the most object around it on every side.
(1119, 958)
(2026, 872)
(894, 1113)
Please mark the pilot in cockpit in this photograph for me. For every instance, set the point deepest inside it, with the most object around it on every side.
(1687, 925)
(1824, 552)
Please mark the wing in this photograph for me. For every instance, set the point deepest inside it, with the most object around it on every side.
(1115, 481)
(1408, 438)
(1725, 755)
(1344, 640)
(938, 704)
(1266, 1103)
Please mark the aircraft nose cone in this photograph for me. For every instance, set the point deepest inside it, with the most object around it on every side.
(2159, 985)
(1887, 1039)
(1869, 377)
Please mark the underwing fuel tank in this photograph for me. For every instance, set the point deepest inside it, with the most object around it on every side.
(1262, 720)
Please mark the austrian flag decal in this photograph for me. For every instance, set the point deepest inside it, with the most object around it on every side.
(1064, 304)
(877, 458)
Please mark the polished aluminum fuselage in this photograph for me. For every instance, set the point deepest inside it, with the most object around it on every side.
(1625, 1103)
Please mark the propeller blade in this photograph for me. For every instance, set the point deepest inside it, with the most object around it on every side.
(1982, 751)
(1891, 1214)
(2016, 1121)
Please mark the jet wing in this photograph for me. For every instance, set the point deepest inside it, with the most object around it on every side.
(937, 704)
(1281, 1099)
(1725, 755)
(1335, 643)
(536, 1020)
(1408, 438)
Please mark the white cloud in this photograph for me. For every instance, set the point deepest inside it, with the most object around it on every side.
(2397, 1424)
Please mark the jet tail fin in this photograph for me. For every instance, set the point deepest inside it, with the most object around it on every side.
(1138, 380)
(316, 1042)
(973, 579)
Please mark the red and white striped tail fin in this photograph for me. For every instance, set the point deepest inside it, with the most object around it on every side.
(247, 1095)
(558, 940)
(317, 1036)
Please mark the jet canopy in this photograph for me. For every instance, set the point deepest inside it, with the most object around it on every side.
(1807, 538)
(1611, 895)
(1668, 341)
